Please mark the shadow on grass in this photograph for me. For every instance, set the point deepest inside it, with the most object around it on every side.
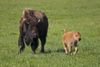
(58, 50)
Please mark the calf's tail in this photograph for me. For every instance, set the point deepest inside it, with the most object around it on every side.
(64, 30)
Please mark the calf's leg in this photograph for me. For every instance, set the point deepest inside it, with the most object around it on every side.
(76, 49)
(65, 47)
(69, 47)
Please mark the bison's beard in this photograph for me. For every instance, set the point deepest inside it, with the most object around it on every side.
(30, 38)
(27, 41)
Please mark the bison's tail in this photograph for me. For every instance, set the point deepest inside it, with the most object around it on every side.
(64, 30)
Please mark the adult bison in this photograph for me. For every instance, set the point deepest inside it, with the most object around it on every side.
(33, 25)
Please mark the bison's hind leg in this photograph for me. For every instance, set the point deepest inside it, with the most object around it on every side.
(43, 41)
(34, 45)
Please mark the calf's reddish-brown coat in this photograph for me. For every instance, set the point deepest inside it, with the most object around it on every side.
(71, 39)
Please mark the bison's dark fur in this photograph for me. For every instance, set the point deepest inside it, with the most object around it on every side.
(33, 25)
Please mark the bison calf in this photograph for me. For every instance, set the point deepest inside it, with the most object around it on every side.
(70, 39)
(33, 25)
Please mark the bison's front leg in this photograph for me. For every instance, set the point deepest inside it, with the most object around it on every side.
(21, 44)
(34, 45)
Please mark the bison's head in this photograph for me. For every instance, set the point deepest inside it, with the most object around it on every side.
(32, 31)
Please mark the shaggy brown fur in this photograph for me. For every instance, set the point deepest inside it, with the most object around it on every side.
(33, 25)
(71, 39)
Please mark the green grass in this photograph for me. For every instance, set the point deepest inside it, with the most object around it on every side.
(74, 15)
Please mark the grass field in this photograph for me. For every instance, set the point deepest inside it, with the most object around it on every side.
(74, 15)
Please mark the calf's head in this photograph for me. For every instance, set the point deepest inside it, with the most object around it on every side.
(32, 31)
(77, 36)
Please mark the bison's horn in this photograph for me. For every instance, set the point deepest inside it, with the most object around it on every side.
(25, 21)
(39, 20)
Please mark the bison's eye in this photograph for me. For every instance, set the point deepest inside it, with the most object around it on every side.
(76, 35)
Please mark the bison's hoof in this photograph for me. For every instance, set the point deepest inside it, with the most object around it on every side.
(19, 52)
(42, 51)
(33, 52)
